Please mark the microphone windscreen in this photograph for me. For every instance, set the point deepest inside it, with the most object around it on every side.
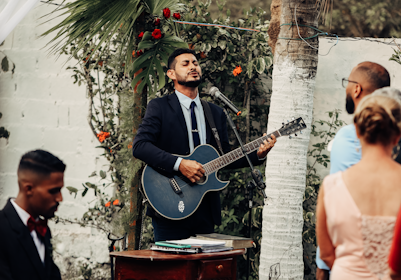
(214, 91)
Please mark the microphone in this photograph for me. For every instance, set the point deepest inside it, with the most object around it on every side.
(215, 92)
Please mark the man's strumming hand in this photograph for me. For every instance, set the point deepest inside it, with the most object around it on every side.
(191, 169)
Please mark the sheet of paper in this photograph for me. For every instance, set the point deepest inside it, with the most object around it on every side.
(198, 242)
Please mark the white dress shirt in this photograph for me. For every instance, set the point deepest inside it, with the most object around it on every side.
(24, 216)
(185, 103)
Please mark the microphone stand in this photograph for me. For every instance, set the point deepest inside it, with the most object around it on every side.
(256, 182)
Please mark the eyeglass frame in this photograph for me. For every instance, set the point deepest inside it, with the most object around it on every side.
(348, 81)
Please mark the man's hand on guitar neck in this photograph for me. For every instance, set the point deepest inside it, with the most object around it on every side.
(266, 146)
(191, 169)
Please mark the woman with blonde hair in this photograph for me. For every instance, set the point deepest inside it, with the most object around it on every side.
(357, 208)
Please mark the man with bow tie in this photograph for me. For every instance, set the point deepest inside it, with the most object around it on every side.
(26, 252)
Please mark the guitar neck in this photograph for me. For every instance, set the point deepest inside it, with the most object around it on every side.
(226, 159)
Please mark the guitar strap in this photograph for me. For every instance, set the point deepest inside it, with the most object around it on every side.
(210, 120)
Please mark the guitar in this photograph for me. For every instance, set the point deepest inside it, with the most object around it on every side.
(174, 197)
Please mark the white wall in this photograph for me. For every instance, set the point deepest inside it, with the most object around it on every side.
(329, 93)
(42, 108)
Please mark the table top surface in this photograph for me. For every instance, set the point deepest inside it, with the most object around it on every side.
(162, 256)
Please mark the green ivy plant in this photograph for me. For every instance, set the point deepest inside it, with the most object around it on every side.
(113, 110)
(323, 131)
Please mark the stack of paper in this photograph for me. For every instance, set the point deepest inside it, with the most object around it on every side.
(190, 245)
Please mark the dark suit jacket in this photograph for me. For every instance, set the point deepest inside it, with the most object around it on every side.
(163, 132)
(19, 258)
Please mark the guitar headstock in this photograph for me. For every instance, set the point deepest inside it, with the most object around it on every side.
(292, 127)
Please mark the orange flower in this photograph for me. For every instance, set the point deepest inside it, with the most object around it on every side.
(129, 146)
(237, 71)
(100, 63)
(202, 55)
(103, 136)
(116, 202)
(108, 204)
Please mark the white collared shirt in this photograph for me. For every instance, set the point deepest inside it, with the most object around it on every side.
(185, 103)
(24, 216)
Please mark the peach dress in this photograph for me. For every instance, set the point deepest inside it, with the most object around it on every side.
(362, 243)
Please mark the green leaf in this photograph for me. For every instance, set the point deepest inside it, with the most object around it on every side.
(72, 189)
(84, 192)
(249, 67)
(260, 65)
(102, 174)
(4, 64)
(222, 44)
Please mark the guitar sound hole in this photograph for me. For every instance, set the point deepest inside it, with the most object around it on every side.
(201, 180)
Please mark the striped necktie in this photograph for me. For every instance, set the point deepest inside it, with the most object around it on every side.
(195, 134)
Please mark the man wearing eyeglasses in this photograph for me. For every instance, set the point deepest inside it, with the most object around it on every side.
(364, 79)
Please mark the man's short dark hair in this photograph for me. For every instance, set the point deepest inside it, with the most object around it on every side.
(377, 75)
(171, 60)
(41, 162)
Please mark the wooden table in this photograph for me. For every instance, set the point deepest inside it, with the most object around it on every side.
(152, 265)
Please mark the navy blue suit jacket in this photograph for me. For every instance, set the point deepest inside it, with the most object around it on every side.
(163, 132)
(19, 258)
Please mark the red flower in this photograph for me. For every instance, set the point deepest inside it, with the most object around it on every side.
(166, 12)
(157, 34)
(139, 53)
(116, 202)
(108, 204)
(140, 35)
(157, 21)
(100, 63)
(177, 15)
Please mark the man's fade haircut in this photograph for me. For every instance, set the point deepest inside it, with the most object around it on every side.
(171, 59)
(378, 76)
(41, 162)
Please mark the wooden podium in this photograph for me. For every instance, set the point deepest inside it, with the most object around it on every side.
(153, 265)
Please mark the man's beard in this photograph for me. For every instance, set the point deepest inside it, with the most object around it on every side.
(349, 104)
(191, 84)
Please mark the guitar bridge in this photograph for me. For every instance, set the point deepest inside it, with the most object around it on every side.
(174, 185)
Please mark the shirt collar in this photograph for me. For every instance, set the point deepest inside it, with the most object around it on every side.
(24, 216)
(186, 101)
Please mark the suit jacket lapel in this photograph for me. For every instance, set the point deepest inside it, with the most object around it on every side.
(48, 254)
(176, 107)
(25, 238)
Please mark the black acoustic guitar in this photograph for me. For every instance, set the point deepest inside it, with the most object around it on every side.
(175, 197)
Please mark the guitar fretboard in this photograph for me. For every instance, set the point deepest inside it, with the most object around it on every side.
(226, 159)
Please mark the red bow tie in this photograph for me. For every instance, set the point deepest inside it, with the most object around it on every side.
(40, 226)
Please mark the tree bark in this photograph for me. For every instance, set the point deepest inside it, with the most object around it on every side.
(294, 71)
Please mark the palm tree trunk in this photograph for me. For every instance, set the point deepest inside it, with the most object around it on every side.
(295, 65)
